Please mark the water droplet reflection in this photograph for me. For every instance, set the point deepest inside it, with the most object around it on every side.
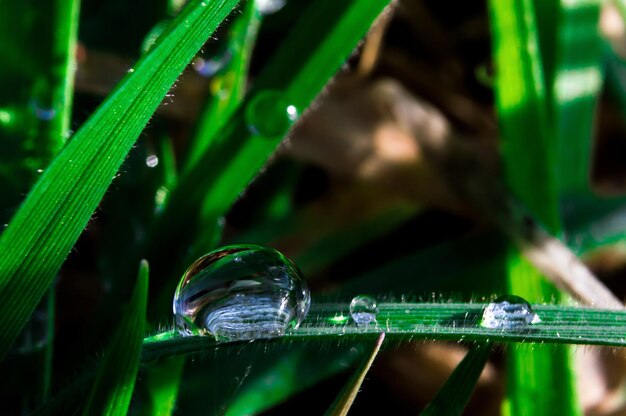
(508, 312)
(241, 292)
(269, 115)
(270, 6)
(152, 161)
(363, 310)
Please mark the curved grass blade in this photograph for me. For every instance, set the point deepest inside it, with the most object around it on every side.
(452, 398)
(115, 382)
(47, 225)
(343, 403)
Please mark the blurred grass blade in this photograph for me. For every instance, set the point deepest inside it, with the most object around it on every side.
(47, 225)
(37, 87)
(115, 382)
(163, 382)
(522, 110)
(538, 376)
(344, 400)
(571, 52)
(228, 86)
(452, 398)
(530, 162)
(291, 372)
(576, 87)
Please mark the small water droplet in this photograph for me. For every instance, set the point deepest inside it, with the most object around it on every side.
(209, 67)
(269, 115)
(363, 310)
(270, 6)
(42, 112)
(508, 312)
(152, 161)
(258, 296)
(39, 170)
(131, 70)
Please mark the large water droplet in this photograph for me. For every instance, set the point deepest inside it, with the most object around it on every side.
(241, 292)
(363, 310)
(269, 114)
(508, 312)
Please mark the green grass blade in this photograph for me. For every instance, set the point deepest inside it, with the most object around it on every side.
(47, 225)
(452, 398)
(431, 321)
(522, 109)
(401, 322)
(162, 385)
(345, 399)
(115, 382)
(292, 372)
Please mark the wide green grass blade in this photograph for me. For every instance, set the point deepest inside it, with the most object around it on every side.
(330, 323)
(47, 225)
(345, 399)
(424, 321)
(115, 382)
(452, 398)
(522, 110)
